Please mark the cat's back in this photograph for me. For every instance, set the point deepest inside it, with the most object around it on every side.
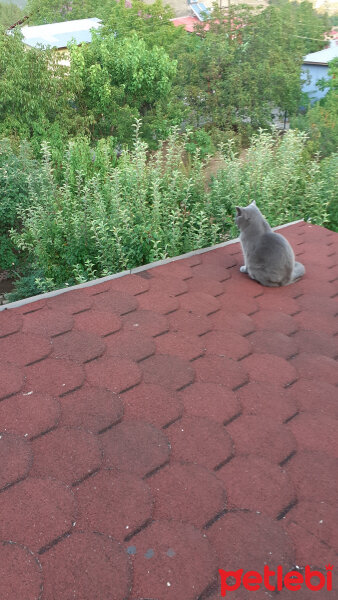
(272, 247)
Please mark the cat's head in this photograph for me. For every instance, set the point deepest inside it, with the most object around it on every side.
(247, 214)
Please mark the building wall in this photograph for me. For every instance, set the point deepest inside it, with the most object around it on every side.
(315, 73)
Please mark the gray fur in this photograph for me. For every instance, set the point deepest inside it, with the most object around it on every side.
(268, 256)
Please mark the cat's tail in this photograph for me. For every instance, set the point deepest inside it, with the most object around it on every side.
(298, 272)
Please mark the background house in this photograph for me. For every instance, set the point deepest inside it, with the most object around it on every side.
(58, 35)
(315, 67)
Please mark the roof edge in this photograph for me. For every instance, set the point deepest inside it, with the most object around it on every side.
(136, 270)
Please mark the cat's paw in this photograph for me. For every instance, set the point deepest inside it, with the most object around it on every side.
(243, 269)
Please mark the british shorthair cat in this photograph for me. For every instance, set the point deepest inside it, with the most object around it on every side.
(268, 256)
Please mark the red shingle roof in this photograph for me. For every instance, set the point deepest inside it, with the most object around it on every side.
(162, 425)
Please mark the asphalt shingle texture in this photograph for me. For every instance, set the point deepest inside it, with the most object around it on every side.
(159, 426)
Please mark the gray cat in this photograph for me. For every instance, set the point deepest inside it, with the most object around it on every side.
(268, 256)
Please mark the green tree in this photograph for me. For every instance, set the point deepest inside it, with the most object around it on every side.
(35, 94)
(151, 22)
(309, 25)
(118, 79)
(9, 14)
(54, 11)
(245, 65)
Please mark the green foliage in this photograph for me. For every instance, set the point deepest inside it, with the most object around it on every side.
(16, 173)
(151, 22)
(200, 141)
(321, 120)
(105, 216)
(9, 14)
(34, 94)
(309, 25)
(233, 75)
(227, 79)
(54, 11)
(119, 79)
(329, 173)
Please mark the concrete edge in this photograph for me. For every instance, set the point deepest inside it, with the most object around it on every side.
(134, 271)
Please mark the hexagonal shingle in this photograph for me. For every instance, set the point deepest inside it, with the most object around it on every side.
(113, 503)
(316, 366)
(172, 560)
(47, 322)
(20, 573)
(199, 303)
(267, 399)
(248, 541)
(135, 447)
(80, 346)
(173, 285)
(275, 321)
(222, 370)
(146, 322)
(152, 403)
(254, 483)
(35, 512)
(210, 400)
(322, 343)
(200, 440)
(54, 376)
(15, 459)
(268, 368)
(67, 454)
(182, 321)
(305, 468)
(92, 408)
(160, 302)
(234, 302)
(130, 344)
(132, 284)
(70, 302)
(100, 323)
(229, 344)
(24, 349)
(29, 415)
(187, 492)
(262, 437)
(273, 342)
(316, 432)
(314, 396)
(118, 303)
(318, 519)
(179, 344)
(10, 322)
(170, 371)
(11, 378)
(236, 321)
(112, 373)
(91, 565)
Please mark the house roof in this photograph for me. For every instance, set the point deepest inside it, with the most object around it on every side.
(323, 57)
(166, 423)
(60, 34)
(188, 23)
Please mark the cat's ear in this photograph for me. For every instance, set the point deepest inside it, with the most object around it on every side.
(254, 202)
(238, 211)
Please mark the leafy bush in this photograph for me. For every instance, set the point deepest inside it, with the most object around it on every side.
(200, 140)
(329, 173)
(16, 170)
(104, 215)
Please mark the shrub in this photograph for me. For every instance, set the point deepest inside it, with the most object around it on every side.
(105, 215)
(16, 169)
